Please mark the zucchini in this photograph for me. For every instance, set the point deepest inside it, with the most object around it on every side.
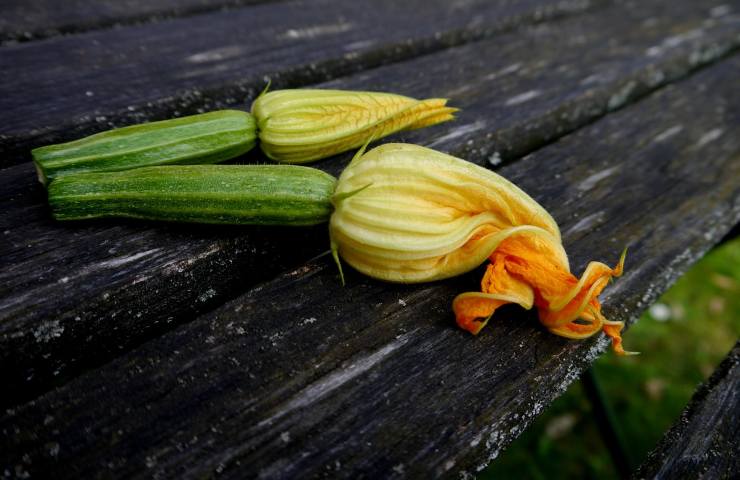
(206, 138)
(223, 194)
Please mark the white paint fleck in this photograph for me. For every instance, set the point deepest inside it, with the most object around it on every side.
(654, 51)
(48, 330)
(589, 182)
(591, 79)
(399, 469)
(64, 280)
(674, 130)
(523, 97)
(673, 42)
(274, 338)
(493, 445)
(207, 295)
(495, 159)
(504, 71)
(285, 437)
(720, 10)
(677, 40)
(53, 449)
(215, 55)
(706, 54)
(316, 31)
(117, 262)
(359, 45)
(402, 302)
(308, 321)
(140, 278)
(585, 223)
(621, 96)
(709, 137)
(655, 78)
(460, 131)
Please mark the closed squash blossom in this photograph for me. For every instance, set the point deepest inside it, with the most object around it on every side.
(408, 214)
(299, 126)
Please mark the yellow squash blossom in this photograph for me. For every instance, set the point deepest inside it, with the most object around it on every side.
(299, 126)
(409, 214)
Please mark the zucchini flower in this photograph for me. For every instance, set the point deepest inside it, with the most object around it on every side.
(408, 214)
(299, 126)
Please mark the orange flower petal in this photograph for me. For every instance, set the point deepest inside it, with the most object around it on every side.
(474, 309)
(566, 305)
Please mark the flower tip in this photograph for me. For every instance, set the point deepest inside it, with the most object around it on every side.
(473, 310)
(472, 325)
(335, 255)
(620, 266)
(266, 89)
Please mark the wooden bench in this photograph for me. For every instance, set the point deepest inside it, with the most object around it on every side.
(131, 349)
(704, 441)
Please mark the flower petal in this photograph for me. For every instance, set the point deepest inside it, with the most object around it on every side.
(301, 125)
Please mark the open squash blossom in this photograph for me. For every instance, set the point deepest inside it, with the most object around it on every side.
(299, 126)
(408, 214)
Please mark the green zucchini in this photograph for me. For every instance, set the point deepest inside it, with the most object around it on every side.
(225, 194)
(206, 138)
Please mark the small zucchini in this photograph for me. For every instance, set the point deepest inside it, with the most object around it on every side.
(206, 138)
(225, 194)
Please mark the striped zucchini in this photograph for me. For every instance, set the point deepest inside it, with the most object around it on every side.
(206, 138)
(225, 194)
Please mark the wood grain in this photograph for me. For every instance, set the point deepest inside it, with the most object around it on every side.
(374, 380)
(705, 441)
(67, 87)
(22, 20)
(75, 296)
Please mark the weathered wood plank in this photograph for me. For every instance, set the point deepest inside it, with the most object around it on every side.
(525, 89)
(75, 295)
(374, 380)
(66, 87)
(705, 441)
(21, 20)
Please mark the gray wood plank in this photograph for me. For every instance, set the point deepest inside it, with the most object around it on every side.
(67, 87)
(705, 441)
(76, 295)
(299, 375)
(21, 20)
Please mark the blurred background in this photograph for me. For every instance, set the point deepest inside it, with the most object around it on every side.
(682, 338)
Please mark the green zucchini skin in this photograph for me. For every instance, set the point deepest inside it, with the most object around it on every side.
(217, 194)
(203, 139)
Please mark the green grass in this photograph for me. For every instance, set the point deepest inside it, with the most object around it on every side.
(682, 339)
